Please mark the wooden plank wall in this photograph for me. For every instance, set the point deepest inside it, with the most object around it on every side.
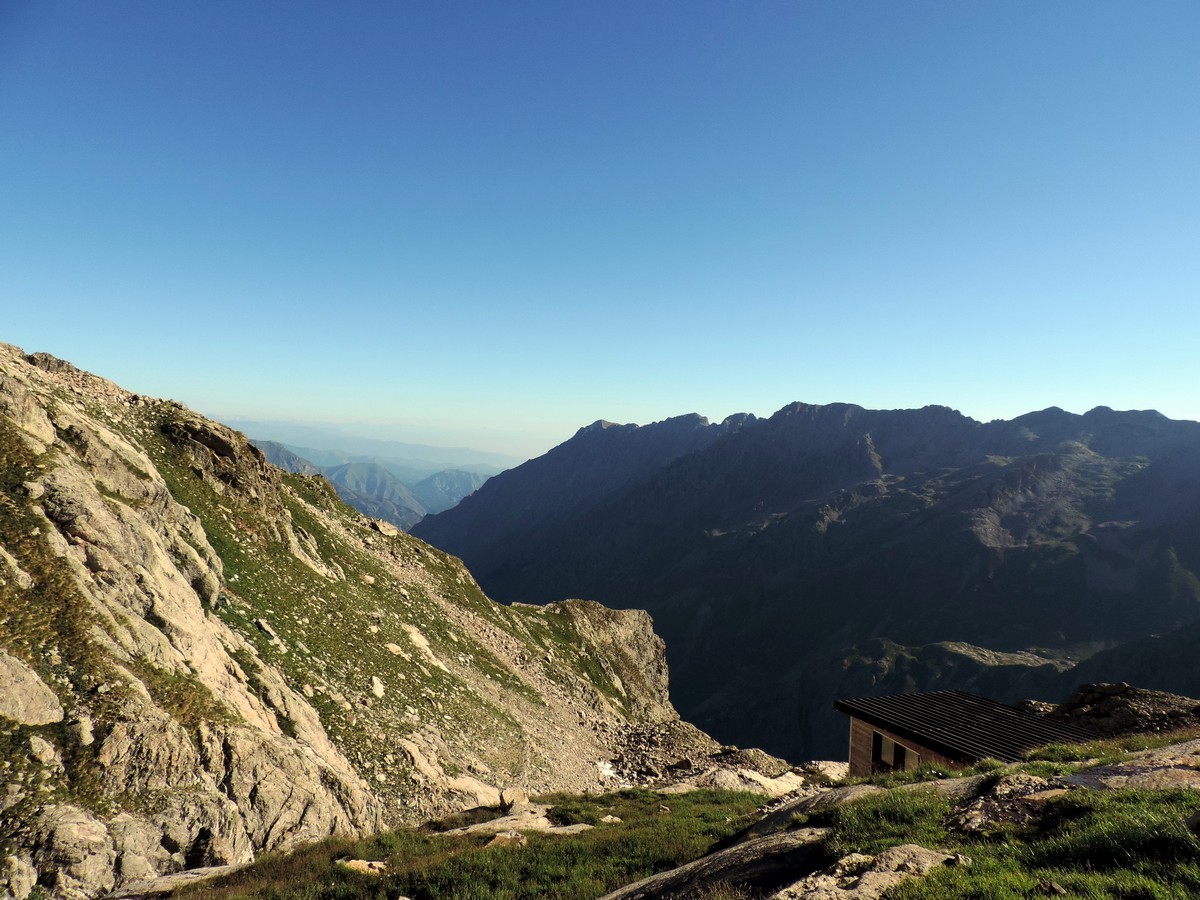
(860, 749)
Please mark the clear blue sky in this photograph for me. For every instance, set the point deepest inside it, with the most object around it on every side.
(491, 223)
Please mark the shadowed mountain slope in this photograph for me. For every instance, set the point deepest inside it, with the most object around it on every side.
(773, 550)
(527, 504)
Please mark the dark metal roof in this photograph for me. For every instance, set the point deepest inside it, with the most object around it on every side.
(962, 726)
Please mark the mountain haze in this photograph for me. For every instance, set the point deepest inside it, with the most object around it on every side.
(801, 549)
(443, 490)
(310, 440)
(372, 489)
(378, 488)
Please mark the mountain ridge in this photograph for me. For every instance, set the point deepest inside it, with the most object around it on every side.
(844, 525)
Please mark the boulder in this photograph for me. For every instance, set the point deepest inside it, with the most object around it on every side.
(24, 697)
(45, 752)
(74, 852)
(365, 866)
(81, 731)
(753, 864)
(387, 529)
(513, 798)
(508, 839)
(22, 578)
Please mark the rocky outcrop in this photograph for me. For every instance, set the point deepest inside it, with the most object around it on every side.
(862, 877)
(1115, 709)
(74, 855)
(633, 657)
(132, 572)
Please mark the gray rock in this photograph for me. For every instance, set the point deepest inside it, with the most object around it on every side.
(760, 861)
(166, 885)
(81, 731)
(24, 697)
(17, 877)
(385, 528)
(74, 853)
(513, 798)
(285, 795)
(859, 877)
(45, 752)
(22, 578)
(19, 405)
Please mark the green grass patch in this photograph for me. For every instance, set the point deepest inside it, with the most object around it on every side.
(428, 866)
(884, 820)
(1095, 844)
(182, 695)
(1112, 749)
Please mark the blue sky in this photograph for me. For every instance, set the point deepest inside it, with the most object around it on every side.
(487, 224)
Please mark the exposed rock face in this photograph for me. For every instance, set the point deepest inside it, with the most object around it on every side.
(135, 572)
(1165, 768)
(240, 663)
(75, 851)
(24, 697)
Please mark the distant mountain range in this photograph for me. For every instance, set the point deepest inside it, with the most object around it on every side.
(835, 550)
(348, 445)
(378, 487)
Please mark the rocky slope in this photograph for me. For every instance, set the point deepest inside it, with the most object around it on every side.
(833, 549)
(202, 657)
